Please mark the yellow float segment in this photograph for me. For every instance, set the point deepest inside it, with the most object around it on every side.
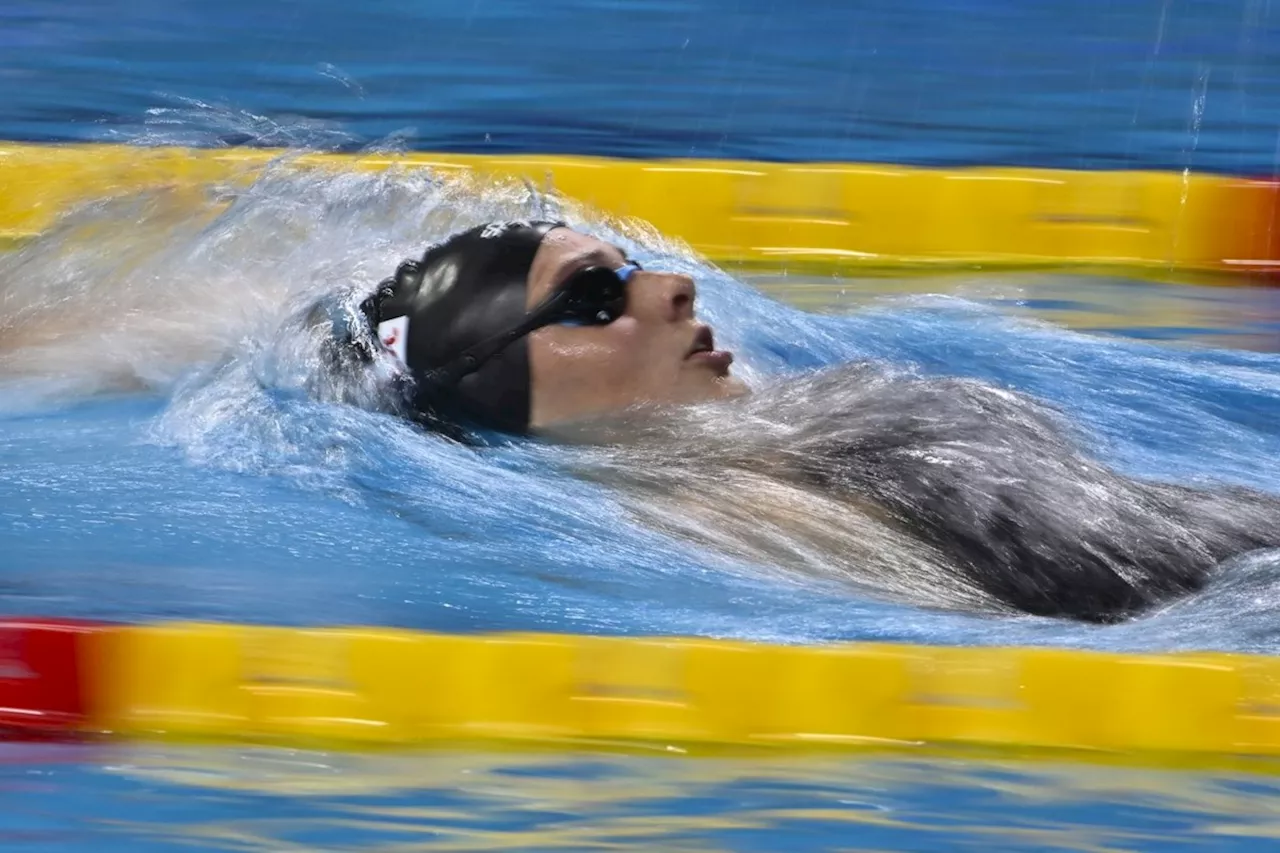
(842, 215)
(395, 686)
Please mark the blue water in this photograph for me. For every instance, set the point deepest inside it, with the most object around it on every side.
(1153, 83)
(144, 474)
(162, 798)
(162, 461)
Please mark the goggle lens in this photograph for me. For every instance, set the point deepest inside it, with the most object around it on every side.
(596, 296)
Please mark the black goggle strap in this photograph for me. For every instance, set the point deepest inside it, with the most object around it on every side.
(474, 357)
(566, 303)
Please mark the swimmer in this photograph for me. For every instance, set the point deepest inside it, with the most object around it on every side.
(939, 491)
(522, 327)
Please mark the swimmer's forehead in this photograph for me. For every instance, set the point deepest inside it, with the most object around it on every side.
(562, 252)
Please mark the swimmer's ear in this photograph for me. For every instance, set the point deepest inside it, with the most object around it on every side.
(407, 272)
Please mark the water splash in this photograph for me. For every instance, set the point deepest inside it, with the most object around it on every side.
(201, 301)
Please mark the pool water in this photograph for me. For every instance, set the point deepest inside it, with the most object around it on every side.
(173, 797)
(1169, 84)
(145, 475)
(193, 496)
(161, 459)
(1214, 313)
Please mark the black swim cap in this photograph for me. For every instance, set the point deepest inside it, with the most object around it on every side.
(465, 290)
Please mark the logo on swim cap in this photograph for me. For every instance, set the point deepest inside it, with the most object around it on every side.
(463, 308)
(393, 333)
(497, 229)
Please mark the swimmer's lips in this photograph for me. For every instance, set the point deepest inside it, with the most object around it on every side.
(704, 351)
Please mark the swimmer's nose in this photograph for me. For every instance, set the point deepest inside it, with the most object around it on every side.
(664, 296)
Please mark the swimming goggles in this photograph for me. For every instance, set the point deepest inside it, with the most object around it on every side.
(593, 296)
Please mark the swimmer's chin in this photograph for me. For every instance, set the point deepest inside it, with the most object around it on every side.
(730, 387)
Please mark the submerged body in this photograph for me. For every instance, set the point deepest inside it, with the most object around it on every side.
(909, 484)
(948, 492)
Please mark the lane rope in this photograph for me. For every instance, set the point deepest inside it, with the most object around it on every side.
(845, 216)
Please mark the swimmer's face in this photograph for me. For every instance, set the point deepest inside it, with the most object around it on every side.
(655, 353)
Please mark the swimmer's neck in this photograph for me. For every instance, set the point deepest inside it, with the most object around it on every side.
(634, 425)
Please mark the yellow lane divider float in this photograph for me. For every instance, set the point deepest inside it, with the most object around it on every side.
(358, 685)
(835, 214)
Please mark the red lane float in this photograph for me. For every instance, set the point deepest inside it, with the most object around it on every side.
(41, 689)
